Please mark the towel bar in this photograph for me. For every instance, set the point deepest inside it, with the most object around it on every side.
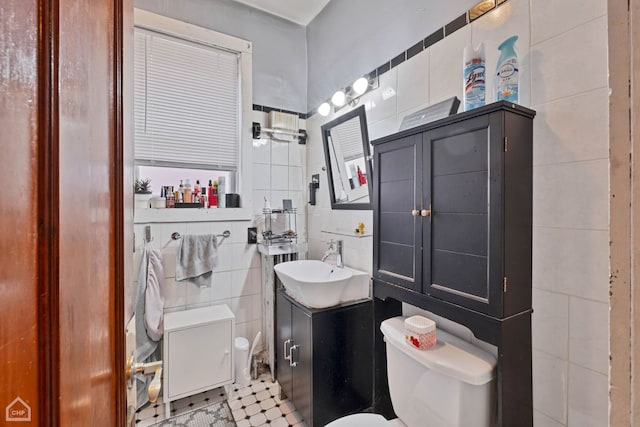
(176, 236)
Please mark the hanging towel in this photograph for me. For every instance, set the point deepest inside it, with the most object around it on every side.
(147, 350)
(197, 257)
(153, 300)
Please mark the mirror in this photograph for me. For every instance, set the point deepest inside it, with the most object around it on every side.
(348, 159)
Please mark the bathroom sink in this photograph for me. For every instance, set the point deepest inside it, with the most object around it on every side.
(318, 284)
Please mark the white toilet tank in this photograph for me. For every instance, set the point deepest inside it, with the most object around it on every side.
(449, 385)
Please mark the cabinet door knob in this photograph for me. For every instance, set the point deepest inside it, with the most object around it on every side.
(426, 212)
(415, 212)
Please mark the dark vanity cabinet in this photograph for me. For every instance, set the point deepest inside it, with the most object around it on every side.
(453, 210)
(452, 204)
(324, 358)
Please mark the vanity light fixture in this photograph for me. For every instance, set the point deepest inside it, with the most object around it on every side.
(349, 96)
(481, 8)
(338, 99)
(324, 109)
(360, 86)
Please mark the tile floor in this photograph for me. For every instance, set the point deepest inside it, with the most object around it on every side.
(258, 405)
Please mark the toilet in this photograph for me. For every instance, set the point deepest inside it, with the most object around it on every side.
(449, 385)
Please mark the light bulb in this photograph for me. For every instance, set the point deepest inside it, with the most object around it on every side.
(338, 98)
(360, 86)
(324, 109)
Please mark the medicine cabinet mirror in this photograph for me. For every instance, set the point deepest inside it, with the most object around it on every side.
(348, 159)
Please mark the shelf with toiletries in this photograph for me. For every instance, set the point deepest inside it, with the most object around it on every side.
(280, 227)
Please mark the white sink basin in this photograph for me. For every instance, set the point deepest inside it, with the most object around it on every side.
(317, 284)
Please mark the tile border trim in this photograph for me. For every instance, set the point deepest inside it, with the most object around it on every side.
(417, 48)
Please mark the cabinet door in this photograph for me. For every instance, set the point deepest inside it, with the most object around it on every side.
(398, 200)
(207, 368)
(283, 343)
(465, 191)
(301, 359)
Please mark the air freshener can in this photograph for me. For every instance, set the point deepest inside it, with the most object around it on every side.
(474, 77)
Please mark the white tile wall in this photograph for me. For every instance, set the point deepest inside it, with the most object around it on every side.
(278, 172)
(589, 334)
(382, 102)
(562, 49)
(541, 420)
(564, 194)
(235, 281)
(550, 384)
(445, 66)
(570, 129)
(550, 18)
(550, 322)
(588, 398)
(559, 262)
(570, 63)
(413, 87)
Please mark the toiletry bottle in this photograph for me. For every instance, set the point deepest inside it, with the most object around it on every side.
(507, 72)
(210, 193)
(187, 192)
(474, 77)
(361, 177)
(171, 200)
(222, 199)
(181, 191)
(204, 198)
(214, 199)
(196, 190)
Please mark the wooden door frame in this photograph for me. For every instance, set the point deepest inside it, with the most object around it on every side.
(624, 194)
(48, 215)
(119, 204)
(47, 211)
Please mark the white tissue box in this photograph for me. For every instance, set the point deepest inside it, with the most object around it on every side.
(420, 332)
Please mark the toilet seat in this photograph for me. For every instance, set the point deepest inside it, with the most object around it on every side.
(360, 420)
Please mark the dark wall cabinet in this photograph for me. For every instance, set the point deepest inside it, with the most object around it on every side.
(452, 206)
(453, 211)
(324, 358)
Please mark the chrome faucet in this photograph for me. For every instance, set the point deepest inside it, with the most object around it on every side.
(335, 248)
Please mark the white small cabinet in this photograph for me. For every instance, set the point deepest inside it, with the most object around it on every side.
(197, 351)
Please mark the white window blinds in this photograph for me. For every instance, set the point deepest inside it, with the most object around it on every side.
(186, 103)
(349, 135)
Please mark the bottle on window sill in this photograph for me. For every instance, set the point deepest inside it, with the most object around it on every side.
(204, 199)
(187, 195)
(170, 200)
(209, 193)
(213, 202)
(196, 190)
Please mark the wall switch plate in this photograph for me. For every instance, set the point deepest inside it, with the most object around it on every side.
(252, 235)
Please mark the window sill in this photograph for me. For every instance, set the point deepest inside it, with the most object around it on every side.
(146, 216)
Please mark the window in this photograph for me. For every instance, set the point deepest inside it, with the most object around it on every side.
(191, 92)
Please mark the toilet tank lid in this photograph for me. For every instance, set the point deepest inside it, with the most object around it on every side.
(450, 356)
